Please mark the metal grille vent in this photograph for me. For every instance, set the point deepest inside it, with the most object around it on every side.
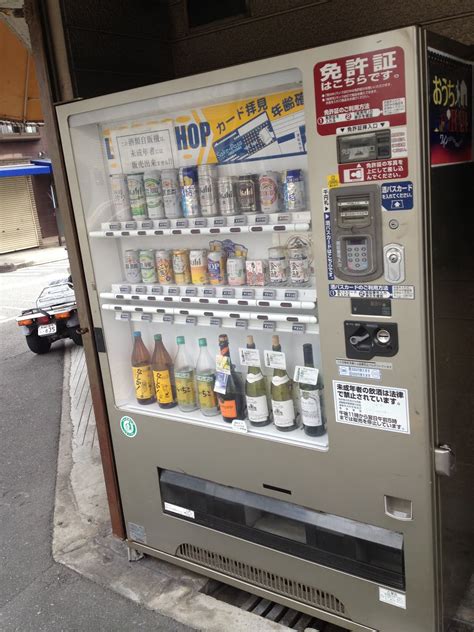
(259, 577)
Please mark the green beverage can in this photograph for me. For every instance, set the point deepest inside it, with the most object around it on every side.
(136, 191)
(147, 266)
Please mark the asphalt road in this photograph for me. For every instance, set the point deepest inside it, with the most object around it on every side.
(37, 594)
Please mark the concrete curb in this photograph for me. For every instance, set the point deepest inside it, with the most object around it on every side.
(83, 542)
(11, 267)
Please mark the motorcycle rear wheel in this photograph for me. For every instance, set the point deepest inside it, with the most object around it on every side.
(37, 344)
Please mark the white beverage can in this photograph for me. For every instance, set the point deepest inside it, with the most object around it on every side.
(147, 266)
(226, 195)
(136, 191)
(299, 265)
(154, 194)
(236, 270)
(268, 183)
(120, 197)
(132, 266)
(171, 193)
(277, 265)
(294, 195)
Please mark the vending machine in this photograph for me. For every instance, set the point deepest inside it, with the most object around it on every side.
(257, 245)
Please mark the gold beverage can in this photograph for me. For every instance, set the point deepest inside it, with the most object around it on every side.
(164, 267)
(198, 263)
(181, 267)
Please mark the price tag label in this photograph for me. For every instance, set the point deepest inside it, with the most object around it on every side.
(191, 320)
(248, 293)
(239, 425)
(157, 289)
(115, 226)
(298, 327)
(168, 318)
(239, 220)
(182, 223)
(163, 223)
(146, 224)
(125, 289)
(124, 316)
(249, 357)
(269, 325)
(209, 291)
(173, 291)
(223, 364)
(269, 294)
(274, 359)
(283, 218)
(130, 225)
(291, 294)
(228, 292)
(217, 322)
(191, 291)
(261, 219)
(140, 289)
(306, 375)
(220, 384)
(241, 323)
(146, 317)
(200, 222)
(219, 221)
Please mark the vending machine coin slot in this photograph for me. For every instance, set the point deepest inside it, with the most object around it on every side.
(364, 340)
(362, 147)
(357, 232)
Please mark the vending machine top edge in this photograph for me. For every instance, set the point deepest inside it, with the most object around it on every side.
(269, 264)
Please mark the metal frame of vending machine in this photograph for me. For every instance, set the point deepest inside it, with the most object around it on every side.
(345, 526)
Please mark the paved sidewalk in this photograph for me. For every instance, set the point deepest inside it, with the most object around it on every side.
(11, 261)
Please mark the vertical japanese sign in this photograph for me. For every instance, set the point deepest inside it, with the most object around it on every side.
(450, 108)
(368, 87)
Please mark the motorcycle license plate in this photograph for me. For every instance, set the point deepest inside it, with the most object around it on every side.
(47, 330)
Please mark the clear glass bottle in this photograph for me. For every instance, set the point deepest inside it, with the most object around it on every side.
(184, 376)
(205, 378)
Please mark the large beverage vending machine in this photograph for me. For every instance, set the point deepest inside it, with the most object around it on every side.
(256, 244)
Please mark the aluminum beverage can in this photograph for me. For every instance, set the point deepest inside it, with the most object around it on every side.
(188, 181)
(181, 267)
(207, 176)
(299, 265)
(120, 197)
(247, 193)
(131, 263)
(171, 194)
(147, 266)
(294, 196)
(136, 191)
(226, 195)
(164, 267)
(198, 263)
(236, 270)
(216, 267)
(268, 184)
(154, 194)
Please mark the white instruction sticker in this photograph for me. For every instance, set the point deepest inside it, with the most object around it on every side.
(306, 375)
(249, 357)
(274, 359)
(179, 510)
(239, 425)
(393, 597)
(359, 371)
(377, 407)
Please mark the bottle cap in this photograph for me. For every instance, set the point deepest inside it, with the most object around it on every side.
(137, 334)
(180, 340)
(157, 337)
(202, 342)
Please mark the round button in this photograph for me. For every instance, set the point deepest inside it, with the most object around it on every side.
(383, 336)
(393, 257)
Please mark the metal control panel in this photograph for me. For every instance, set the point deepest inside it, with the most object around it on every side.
(361, 147)
(356, 230)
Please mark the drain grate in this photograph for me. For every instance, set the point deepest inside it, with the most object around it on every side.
(269, 610)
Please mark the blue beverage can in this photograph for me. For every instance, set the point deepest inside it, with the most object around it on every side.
(293, 190)
(188, 181)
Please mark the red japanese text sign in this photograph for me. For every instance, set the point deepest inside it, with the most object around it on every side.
(364, 87)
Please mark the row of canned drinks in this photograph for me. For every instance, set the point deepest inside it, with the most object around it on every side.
(200, 191)
(216, 267)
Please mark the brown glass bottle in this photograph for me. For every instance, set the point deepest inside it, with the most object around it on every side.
(141, 368)
(163, 375)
